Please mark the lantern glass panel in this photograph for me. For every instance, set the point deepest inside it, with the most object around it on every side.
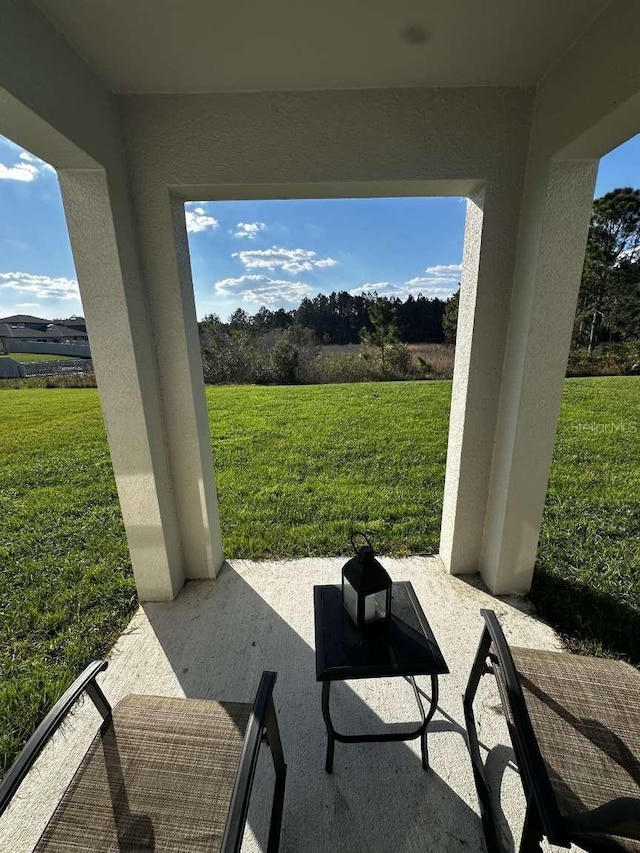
(375, 606)
(350, 600)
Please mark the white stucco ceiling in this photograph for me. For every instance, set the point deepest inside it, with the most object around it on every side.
(247, 45)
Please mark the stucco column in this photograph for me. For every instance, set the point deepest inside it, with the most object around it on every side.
(511, 355)
(165, 256)
(490, 241)
(102, 233)
(554, 228)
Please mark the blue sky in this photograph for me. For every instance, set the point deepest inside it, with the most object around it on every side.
(247, 254)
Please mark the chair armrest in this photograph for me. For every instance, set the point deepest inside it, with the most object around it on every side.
(37, 741)
(258, 721)
(525, 744)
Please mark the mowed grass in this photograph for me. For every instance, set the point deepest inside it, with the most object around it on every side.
(296, 467)
(587, 579)
(28, 357)
(66, 588)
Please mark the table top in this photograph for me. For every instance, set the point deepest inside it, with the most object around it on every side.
(408, 647)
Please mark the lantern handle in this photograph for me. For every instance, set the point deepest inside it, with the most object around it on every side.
(355, 533)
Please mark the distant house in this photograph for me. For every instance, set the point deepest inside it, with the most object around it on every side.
(67, 333)
(20, 331)
(73, 323)
(26, 321)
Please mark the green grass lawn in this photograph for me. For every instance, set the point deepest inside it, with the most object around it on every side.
(587, 579)
(295, 468)
(27, 357)
(66, 589)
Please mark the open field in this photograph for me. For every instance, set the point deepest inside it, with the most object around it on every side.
(436, 359)
(295, 467)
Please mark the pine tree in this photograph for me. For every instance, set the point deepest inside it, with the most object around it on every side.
(384, 332)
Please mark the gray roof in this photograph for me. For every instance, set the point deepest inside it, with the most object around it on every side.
(53, 332)
(74, 323)
(66, 332)
(23, 318)
(6, 331)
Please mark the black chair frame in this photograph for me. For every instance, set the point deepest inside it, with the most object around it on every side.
(262, 728)
(543, 815)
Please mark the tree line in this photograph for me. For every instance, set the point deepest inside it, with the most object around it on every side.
(294, 345)
(341, 318)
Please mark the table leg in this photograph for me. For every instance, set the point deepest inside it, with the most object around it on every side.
(426, 718)
(432, 709)
(421, 732)
(331, 740)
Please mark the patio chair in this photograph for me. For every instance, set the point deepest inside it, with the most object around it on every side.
(574, 724)
(162, 774)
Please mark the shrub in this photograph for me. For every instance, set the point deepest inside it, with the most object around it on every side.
(285, 360)
(423, 365)
(341, 368)
(228, 355)
(398, 360)
(606, 360)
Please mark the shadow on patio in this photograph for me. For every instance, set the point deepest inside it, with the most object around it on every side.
(215, 640)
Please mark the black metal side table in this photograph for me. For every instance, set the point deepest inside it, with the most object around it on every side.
(407, 649)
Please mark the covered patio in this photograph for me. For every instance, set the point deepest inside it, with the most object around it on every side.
(215, 640)
(143, 107)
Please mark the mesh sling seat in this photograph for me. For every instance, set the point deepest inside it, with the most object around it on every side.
(574, 724)
(163, 774)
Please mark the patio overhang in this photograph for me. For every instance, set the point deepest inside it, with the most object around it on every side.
(139, 113)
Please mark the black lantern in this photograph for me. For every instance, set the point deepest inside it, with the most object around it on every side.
(366, 588)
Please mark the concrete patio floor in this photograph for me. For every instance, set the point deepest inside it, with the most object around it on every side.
(215, 640)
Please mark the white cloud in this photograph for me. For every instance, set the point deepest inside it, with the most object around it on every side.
(441, 280)
(20, 172)
(432, 287)
(39, 286)
(27, 170)
(445, 270)
(431, 281)
(31, 158)
(288, 260)
(198, 220)
(250, 230)
(264, 290)
(432, 291)
(382, 288)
